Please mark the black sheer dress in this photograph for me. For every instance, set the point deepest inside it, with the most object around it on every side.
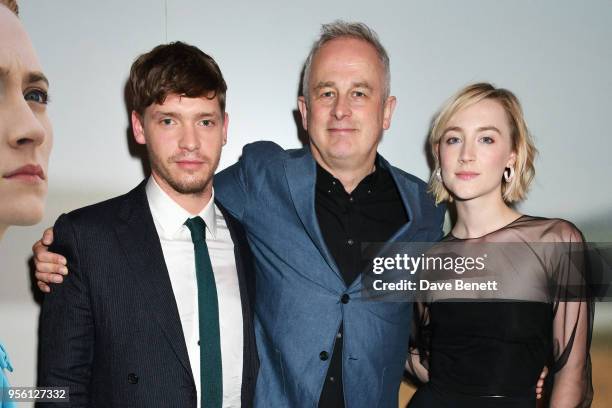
(487, 348)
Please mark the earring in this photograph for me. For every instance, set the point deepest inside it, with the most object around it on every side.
(508, 174)
(439, 174)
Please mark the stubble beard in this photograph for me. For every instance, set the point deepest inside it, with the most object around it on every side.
(188, 185)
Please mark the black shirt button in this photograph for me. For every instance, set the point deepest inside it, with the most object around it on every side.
(332, 379)
(132, 378)
(345, 298)
(350, 241)
(351, 199)
(323, 355)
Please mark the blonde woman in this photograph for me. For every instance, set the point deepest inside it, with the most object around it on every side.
(25, 137)
(489, 351)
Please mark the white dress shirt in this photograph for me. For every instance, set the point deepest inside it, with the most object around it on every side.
(177, 246)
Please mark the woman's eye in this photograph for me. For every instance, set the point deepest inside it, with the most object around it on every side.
(486, 140)
(452, 140)
(37, 96)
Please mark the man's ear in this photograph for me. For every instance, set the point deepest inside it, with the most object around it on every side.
(138, 128)
(225, 123)
(303, 107)
(388, 109)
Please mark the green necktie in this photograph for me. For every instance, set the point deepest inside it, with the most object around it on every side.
(211, 379)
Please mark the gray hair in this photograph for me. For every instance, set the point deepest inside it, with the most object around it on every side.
(360, 31)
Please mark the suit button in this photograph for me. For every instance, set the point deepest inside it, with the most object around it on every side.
(345, 298)
(132, 378)
(323, 355)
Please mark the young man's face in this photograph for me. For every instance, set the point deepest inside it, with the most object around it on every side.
(184, 137)
(346, 113)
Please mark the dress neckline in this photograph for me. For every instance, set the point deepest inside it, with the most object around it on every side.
(450, 234)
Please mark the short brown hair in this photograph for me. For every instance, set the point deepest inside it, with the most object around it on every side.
(11, 5)
(522, 142)
(174, 68)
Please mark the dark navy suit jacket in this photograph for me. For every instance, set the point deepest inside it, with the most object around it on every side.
(111, 332)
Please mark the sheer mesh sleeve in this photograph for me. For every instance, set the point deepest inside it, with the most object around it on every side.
(417, 364)
(572, 326)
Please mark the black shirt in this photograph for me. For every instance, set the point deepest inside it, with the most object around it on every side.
(373, 212)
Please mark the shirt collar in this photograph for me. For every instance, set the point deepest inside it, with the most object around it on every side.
(170, 217)
(326, 181)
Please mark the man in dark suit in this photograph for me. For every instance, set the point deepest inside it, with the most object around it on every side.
(156, 311)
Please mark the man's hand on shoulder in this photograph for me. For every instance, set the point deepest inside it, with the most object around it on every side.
(50, 267)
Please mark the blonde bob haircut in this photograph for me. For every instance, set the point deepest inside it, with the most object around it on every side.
(522, 143)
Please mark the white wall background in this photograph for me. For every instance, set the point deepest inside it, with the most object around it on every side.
(555, 55)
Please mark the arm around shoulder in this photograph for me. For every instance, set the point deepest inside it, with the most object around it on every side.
(235, 184)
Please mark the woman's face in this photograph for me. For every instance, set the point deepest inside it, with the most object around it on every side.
(25, 130)
(474, 150)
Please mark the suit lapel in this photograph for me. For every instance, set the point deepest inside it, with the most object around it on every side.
(246, 284)
(243, 256)
(137, 234)
(409, 193)
(301, 172)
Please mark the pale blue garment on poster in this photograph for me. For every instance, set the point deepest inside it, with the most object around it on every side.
(5, 364)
